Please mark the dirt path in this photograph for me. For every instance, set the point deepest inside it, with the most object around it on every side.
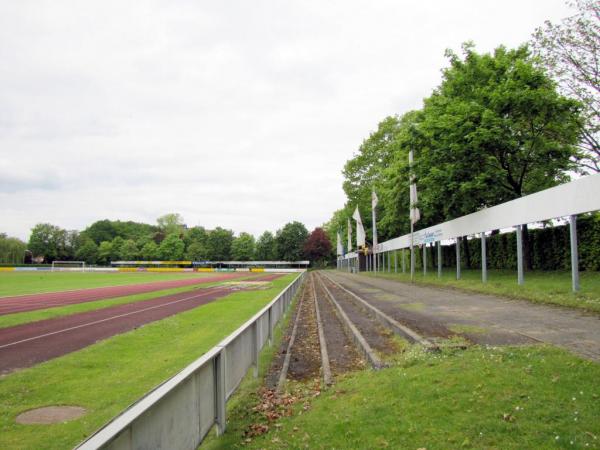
(32, 302)
(483, 319)
(32, 343)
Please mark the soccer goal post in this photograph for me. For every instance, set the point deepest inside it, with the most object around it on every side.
(70, 266)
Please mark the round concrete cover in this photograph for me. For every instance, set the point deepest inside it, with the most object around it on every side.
(50, 414)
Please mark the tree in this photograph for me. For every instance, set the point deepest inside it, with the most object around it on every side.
(117, 245)
(265, 247)
(317, 247)
(87, 251)
(170, 223)
(101, 230)
(495, 130)
(47, 240)
(243, 247)
(171, 248)
(149, 251)
(129, 250)
(570, 52)
(290, 241)
(196, 251)
(12, 250)
(364, 172)
(104, 252)
(218, 244)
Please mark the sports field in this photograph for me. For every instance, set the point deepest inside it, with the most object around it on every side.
(19, 283)
(105, 368)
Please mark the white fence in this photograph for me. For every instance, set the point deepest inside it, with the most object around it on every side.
(569, 199)
(180, 412)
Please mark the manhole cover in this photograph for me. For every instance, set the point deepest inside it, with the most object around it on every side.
(50, 414)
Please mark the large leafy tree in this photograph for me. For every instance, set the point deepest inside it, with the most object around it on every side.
(243, 247)
(149, 251)
(87, 251)
(570, 52)
(265, 247)
(365, 171)
(170, 223)
(171, 248)
(105, 251)
(49, 241)
(317, 247)
(129, 250)
(496, 129)
(290, 241)
(12, 250)
(218, 244)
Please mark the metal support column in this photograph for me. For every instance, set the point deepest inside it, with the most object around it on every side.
(395, 261)
(439, 252)
(403, 262)
(574, 253)
(424, 259)
(458, 258)
(483, 259)
(520, 278)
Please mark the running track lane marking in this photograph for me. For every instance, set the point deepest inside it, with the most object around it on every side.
(104, 320)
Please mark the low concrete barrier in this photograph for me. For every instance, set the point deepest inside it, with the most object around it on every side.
(180, 412)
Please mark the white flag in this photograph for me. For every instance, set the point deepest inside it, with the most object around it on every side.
(415, 214)
(349, 236)
(374, 201)
(360, 230)
(340, 247)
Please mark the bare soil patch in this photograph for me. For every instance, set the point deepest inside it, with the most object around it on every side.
(50, 414)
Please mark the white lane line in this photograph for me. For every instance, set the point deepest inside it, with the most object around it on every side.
(103, 320)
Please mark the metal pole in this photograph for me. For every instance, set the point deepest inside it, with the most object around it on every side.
(412, 253)
(395, 261)
(389, 261)
(574, 253)
(458, 258)
(483, 259)
(520, 278)
(424, 259)
(439, 251)
(403, 262)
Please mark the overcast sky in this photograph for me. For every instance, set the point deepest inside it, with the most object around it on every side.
(238, 114)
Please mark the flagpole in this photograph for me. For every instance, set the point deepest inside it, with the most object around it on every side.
(412, 254)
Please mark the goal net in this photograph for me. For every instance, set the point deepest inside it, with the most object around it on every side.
(69, 266)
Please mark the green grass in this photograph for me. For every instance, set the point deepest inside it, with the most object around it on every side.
(108, 376)
(484, 398)
(21, 283)
(540, 287)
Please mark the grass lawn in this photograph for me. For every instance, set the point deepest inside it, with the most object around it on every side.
(20, 283)
(108, 376)
(539, 287)
(534, 397)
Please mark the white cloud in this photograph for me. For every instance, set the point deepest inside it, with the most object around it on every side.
(239, 114)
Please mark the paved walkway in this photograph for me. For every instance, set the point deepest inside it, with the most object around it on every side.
(568, 328)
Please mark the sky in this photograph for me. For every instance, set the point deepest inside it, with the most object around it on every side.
(239, 114)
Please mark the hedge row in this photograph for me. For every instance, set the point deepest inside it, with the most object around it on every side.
(549, 248)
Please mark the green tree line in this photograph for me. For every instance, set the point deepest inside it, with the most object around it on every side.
(170, 239)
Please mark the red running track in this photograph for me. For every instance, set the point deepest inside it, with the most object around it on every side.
(28, 344)
(32, 302)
